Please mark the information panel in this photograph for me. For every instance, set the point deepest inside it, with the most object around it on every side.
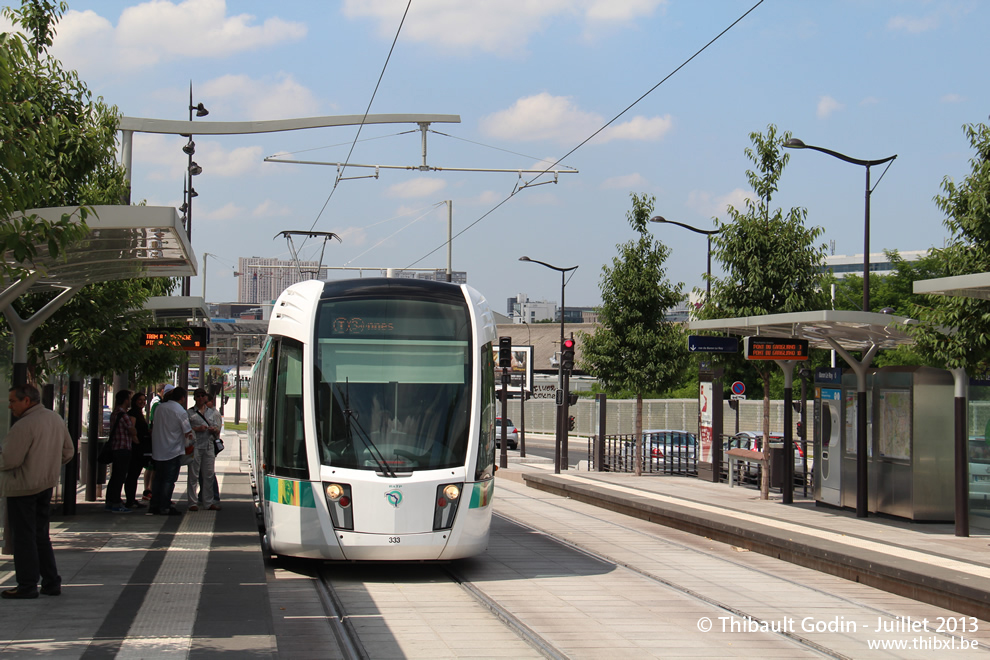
(776, 348)
(180, 339)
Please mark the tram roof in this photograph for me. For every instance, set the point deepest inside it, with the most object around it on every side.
(854, 331)
(976, 285)
(123, 242)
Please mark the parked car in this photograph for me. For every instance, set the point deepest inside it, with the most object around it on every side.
(667, 444)
(511, 434)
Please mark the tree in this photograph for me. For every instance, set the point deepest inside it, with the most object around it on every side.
(636, 348)
(58, 148)
(967, 209)
(771, 260)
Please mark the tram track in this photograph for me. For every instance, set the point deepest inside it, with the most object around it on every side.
(720, 558)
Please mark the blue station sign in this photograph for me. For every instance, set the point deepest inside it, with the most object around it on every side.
(699, 344)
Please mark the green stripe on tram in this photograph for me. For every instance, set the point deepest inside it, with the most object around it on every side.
(288, 491)
(481, 493)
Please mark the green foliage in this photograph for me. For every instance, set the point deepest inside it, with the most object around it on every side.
(636, 349)
(967, 209)
(99, 331)
(771, 259)
(57, 145)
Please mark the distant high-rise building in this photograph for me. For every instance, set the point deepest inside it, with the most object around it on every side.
(262, 279)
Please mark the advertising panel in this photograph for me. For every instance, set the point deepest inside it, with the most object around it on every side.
(521, 371)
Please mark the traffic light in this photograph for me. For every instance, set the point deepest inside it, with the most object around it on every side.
(570, 423)
(567, 355)
(504, 352)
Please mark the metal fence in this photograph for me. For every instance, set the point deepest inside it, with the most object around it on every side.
(670, 452)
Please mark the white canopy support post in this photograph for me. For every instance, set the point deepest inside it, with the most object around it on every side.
(862, 474)
(22, 329)
(961, 442)
(15, 289)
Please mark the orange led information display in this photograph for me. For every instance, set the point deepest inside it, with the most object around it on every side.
(180, 339)
(776, 348)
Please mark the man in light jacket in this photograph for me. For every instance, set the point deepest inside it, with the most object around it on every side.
(34, 451)
(170, 435)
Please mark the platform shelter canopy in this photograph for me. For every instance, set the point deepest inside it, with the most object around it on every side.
(976, 285)
(124, 242)
(853, 331)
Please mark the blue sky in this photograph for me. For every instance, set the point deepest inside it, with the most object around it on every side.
(530, 81)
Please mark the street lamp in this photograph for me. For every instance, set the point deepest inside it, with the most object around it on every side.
(794, 143)
(708, 232)
(561, 410)
(192, 169)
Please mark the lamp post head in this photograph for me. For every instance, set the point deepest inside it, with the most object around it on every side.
(658, 218)
(524, 259)
(190, 148)
(795, 143)
(195, 169)
(200, 109)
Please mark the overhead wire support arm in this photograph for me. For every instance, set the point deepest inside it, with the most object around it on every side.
(429, 168)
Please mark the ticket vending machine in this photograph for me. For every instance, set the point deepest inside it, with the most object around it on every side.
(828, 446)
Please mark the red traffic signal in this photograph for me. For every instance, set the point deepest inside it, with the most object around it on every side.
(567, 354)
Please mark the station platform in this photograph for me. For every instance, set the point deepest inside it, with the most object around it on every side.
(197, 586)
(923, 561)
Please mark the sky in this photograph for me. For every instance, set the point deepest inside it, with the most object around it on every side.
(532, 82)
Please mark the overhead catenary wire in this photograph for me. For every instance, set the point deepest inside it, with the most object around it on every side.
(367, 110)
(594, 134)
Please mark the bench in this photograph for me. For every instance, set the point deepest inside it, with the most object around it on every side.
(743, 456)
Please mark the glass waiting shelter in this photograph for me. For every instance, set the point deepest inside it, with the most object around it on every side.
(970, 428)
(845, 332)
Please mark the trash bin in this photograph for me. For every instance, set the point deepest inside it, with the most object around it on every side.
(777, 465)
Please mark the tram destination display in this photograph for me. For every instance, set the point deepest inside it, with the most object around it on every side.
(775, 348)
(180, 339)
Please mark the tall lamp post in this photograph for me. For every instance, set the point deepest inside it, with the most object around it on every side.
(561, 409)
(794, 143)
(708, 232)
(192, 169)
(862, 475)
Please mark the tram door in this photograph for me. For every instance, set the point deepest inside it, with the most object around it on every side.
(828, 458)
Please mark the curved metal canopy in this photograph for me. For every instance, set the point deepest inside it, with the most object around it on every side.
(854, 331)
(124, 242)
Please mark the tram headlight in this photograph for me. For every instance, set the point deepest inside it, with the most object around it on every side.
(448, 496)
(339, 504)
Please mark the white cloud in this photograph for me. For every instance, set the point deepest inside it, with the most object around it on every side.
(228, 211)
(270, 208)
(826, 106)
(157, 31)
(912, 24)
(708, 204)
(501, 27)
(353, 236)
(278, 97)
(162, 155)
(639, 128)
(418, 187)
(557, 118)
(633, 181)
(952, 98)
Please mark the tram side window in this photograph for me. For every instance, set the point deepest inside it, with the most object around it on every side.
(486, 438)
(286, 404)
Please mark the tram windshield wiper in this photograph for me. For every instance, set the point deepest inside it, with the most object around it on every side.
(351, 423)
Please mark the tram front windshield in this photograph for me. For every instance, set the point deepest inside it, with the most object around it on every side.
(393, 383)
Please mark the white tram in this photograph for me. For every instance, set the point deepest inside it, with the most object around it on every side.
(372, 421)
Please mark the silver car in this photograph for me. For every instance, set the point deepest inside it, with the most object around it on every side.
(511, 434)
